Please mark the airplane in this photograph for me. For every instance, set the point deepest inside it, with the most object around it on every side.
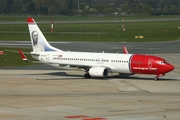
(93, 63)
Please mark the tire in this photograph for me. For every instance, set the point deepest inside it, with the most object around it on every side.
(87, 75)
(156, 79)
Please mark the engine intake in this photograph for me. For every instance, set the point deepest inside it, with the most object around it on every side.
(98, 72)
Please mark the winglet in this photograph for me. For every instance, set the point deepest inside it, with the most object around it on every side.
(125, 50)
(23, 56)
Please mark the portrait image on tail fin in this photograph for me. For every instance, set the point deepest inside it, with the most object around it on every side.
(36, 47)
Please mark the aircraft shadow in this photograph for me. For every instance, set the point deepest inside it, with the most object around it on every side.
(62, 76)
(131, 77)
(77, 76)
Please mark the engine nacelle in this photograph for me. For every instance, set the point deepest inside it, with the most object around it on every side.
(98, 72)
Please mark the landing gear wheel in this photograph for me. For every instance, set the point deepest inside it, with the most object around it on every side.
(156, 78)
(87, 75)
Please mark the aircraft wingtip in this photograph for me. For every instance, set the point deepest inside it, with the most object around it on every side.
(125, 50)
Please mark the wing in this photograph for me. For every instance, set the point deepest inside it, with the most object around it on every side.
(79, 66)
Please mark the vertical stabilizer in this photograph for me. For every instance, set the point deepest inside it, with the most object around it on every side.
(39, 42)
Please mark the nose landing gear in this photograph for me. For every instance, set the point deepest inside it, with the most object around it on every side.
(157, 76)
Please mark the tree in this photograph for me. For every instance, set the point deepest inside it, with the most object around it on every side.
(8, 6)
(95, 6)
(86, 9)
(2, 5)
(99, 7)
(30, 8)
(92, 10)
(17, 6)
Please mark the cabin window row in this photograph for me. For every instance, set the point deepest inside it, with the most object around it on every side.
(80, 59)
(120, 61)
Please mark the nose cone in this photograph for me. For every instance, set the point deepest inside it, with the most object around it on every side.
(169, 67)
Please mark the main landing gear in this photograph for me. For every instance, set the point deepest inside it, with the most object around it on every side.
(87, 75)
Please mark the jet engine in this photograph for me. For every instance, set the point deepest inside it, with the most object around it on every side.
(98, 72)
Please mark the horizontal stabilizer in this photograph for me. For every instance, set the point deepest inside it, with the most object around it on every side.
(23, 56)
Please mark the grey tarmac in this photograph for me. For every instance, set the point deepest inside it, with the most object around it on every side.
(56, 94)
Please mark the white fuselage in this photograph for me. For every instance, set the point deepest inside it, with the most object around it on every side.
(117, 62)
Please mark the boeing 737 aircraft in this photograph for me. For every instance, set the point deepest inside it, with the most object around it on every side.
(94, 64)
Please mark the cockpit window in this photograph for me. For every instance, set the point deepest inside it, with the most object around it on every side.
(161, 62)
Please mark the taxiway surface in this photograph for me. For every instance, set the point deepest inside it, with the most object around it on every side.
(59, 95)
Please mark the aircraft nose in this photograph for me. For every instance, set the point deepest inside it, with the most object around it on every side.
(170, 67)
